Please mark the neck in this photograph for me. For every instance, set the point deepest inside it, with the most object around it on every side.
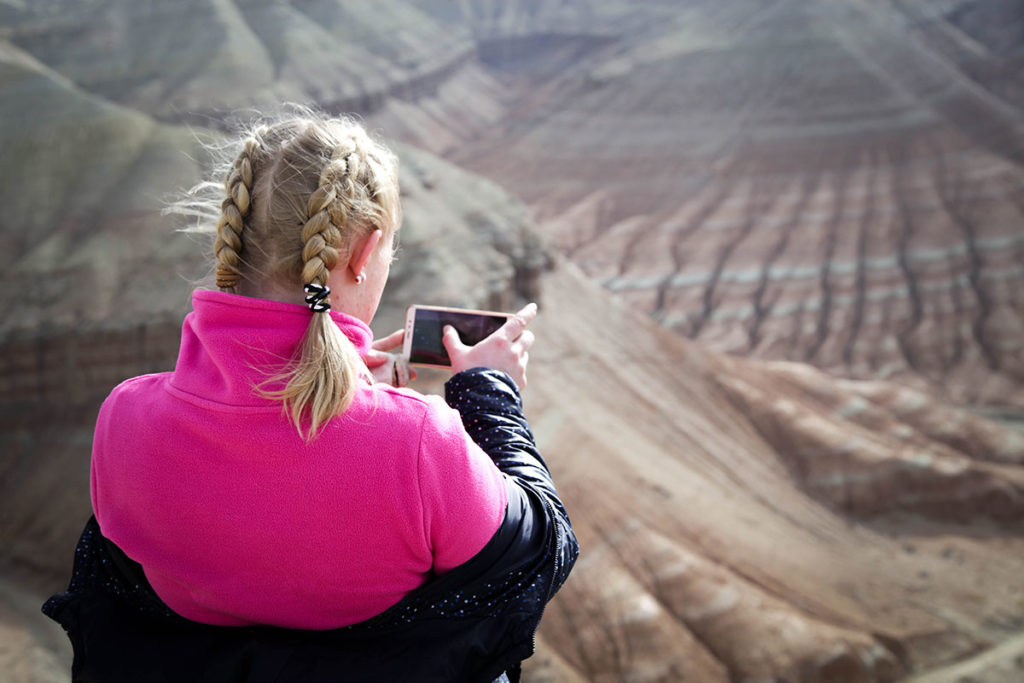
(346, 297)
(272, 291)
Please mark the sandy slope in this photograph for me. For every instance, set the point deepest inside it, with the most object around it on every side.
(836, 183)
(740, 520)
(700, 531)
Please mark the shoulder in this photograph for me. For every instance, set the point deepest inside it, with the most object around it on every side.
(136, 395)
(431, 415)
(133, 389)
(140, 383)
(407, 401)
(129, 404)
(402, 396)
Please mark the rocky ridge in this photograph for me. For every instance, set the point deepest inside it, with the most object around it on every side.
(831, 183)
(740, 520)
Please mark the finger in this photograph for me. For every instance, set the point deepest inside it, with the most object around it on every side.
(525, 341)
(451, 341)
(375, 359)
(390, 342)
(518, 322)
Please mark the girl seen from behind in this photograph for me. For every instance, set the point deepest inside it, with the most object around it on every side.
(272, 511)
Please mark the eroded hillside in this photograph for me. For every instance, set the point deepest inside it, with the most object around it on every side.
(835, 184)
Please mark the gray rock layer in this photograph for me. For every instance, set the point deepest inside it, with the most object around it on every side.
(833, 187)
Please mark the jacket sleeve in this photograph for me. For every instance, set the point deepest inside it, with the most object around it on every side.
(491, 409)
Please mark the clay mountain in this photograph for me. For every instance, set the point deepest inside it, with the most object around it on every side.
(779, 252)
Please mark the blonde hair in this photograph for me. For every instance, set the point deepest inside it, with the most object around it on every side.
(295, 198)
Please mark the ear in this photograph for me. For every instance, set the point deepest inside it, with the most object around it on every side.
(362, 250)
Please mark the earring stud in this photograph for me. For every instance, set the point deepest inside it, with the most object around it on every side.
(360, 278)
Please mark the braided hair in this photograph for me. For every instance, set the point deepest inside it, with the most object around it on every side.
(296, 198)
(228, 246)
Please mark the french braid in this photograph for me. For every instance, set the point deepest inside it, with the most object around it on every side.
(320, 236)
(234, 209)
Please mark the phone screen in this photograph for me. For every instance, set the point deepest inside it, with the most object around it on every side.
(428, 327)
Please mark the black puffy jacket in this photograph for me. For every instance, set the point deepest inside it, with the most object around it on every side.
(470, 624)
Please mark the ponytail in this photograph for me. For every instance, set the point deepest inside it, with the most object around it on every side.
(322, 382)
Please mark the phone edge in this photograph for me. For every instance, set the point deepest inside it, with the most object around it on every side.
(410, 320)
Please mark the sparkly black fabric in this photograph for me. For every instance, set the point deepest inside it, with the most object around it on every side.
(492, 413)
(470, 624)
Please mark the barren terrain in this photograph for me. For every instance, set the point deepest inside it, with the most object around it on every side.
(833, 183)
(778, 249)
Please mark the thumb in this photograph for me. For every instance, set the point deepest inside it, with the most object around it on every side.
(451, 341)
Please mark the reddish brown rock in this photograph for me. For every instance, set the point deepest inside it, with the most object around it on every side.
(833, 183)
(836, 183)
(716, 519)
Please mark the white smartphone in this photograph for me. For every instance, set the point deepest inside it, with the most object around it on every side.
(424, 327)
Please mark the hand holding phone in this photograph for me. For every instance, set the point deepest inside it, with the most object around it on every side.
(507, 349)
(462, 339)
(385, 364)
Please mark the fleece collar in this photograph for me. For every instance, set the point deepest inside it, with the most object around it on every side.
(230, 344)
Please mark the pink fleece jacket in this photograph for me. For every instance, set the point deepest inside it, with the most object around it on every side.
(236, 520)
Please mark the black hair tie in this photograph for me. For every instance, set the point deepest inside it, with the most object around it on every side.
(315, 295)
